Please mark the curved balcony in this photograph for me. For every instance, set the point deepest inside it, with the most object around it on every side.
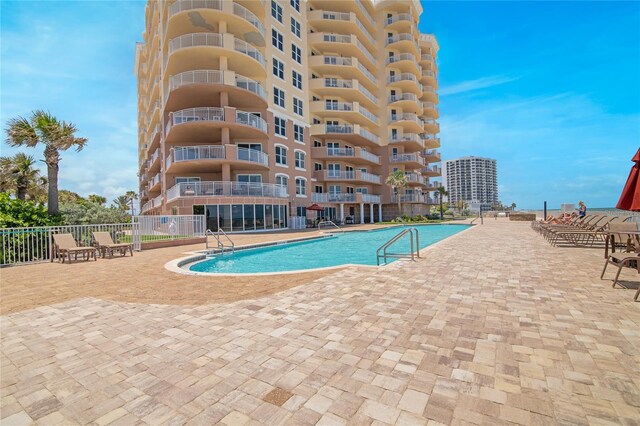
(200, 86)
(344, 44)
(358, 197)
(203, 124)
(415, 179)
(404, 42)
(404, 62)
(352, 112)
(348, 67)
(428, 77)
(430, 141)
(409, 122)
(431, 125)
(409, 198)
(400, 20)
(430, 109)
(343, 89)
(239, 19)
(431, 171)
(210, 158)
(154, 137)
(408, 102)
(410, 161)
(226, 189)
(431, 156)
(347, 176)
(406, 82)
(349, 133)
(340, 22)
(426, 60)
(210, 117)
(154, 161)
(203, 50)
(429, 94)
(154, 183)
(410, 141)
(355, 155)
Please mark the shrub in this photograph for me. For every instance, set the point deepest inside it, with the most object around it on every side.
(85, 213)
(16, 213)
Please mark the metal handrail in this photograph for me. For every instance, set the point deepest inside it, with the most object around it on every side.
(330, 223)
(221, 245)
(413, 233)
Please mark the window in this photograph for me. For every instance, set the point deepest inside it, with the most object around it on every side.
(296, 53)
(283, 180)
(281, 127)
(278, 97)
(281, 155)
(278, 69)
(249, 178)
(276, 11)
(298, 133)
(301, 186)
(276, 40)
(317, 168)
(295, 27)
(297, 106)
(297, 79)
(301, 211)
(296, 5)
(319, 189)
(299, 156)
(362, 190)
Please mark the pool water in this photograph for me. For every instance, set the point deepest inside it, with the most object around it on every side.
(343, 248)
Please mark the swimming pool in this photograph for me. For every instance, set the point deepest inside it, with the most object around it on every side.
(357, 247)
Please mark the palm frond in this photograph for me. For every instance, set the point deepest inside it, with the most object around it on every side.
(20, 132)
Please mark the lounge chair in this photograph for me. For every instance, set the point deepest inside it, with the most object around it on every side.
(64, 246)
(105, 244)
(583, 236)
(620, 260)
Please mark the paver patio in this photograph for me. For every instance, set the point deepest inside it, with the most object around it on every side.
(492, 326)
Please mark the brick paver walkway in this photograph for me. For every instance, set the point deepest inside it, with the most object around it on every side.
(493, 326)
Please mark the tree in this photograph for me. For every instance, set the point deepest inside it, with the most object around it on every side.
(97, 199)
(513, 206)
(132, 196)
(441, 194)
(17, 175)
(398, 180)
(42, 128)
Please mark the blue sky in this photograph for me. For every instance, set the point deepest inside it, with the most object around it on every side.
(549, 89)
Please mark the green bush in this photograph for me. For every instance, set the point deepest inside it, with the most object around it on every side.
(16, 213)
(86, 213)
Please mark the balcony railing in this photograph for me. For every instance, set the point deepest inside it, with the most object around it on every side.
(369, 156)
(403, 97)
(154, 180)
(338, 106)
(366, 72)
(368, 135)
(399, 37)
(370, 198)
(213, 77)
(399, 17)
(226, 189)
(407, 116)
(401, 77)
(194, 114)
(426, 57)
(406, 137)
(415, 177)
(238, 10)
(401, 57)
(215, 40)
(204, 152)
(409, 198)
(252, 155)
(406, 158)
(249, 119)
(369, 177)
(432, 169)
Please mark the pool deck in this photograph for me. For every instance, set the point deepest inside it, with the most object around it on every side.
(491, 326)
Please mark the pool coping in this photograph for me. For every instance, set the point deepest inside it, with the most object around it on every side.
(176, 265)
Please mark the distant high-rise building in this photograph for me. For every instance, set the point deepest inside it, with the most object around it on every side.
(473, 180)
(249, 111)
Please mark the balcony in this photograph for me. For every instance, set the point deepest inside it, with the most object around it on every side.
(430, 109)
(154, 137)
(400, 20)
(210, 158)
(251, 120)
(344, 45)
(346, 132)
(431, 125)
(409, 122)
(408, 102)
(352, 112)
(405, 62)
(194, 50)
(411, 141)
(428, 77)
(430, 141)
(410, 161)
(154, 183)
(339, 22)
(237, 16)
(429, 94)
(406, 82)
(204, 123)
(404, 42)
(357, 197)
(347, 176)
(344, 89)
(431, 156)
(348, 67)
(431, 171)
(199, 86)
(226, 189)
(154, 163)
(353, 155)
(409, 198)
(415, 179)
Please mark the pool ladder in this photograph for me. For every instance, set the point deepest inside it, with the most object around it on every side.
(217, 235)
(415, 247)
(329, 223)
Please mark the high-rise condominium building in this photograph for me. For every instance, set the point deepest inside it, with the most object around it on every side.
(252, 110)
(473, 180)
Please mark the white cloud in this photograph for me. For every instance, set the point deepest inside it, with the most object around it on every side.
(480, 83)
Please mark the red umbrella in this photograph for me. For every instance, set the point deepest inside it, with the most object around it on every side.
(630, 198)
(316, 208)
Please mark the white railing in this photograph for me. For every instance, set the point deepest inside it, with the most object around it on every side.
(365, 51)
(407, 116)
(368, 135)
(370, 198)
(401, 57)
(368, 114)
(428, 73)
(401, 77)
(336, 128)
(338, 83)
(428, 137)
(194, 77)
(247, 15)
(403, 97)
(365, 12)
(249, 119)
(195, 114)
(428, 89)
(238, 10)
(336, 16)
(35, 244)
(399, 17)
(342, 198)
(399, 37)
(429, 105)
(244, 47)
(338, 106)
(252, 155)
(409, 198)
(369, 177)
(406, 137)
(195, 39)
(319, 197)
(228, 189)
(415, 177)
(432, 169)
(203, 152)
(366, 72)
(369, 156)
(336, 38)
(341, 152)
(365, 31)
(426, 57)
(404, 158)
(341, 174)
(155, 156)
(155, 180)
(337, 60)
(251, 85)
(367, 93)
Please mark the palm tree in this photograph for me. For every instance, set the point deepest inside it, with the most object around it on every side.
(43, 128)
(441, 194)
(398, 180)
(132, 196)
(17, 173)
(513, 206)
(97, 199)
(121, 203)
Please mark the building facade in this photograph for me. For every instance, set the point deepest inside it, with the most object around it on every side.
(473, 180)
(252, 110)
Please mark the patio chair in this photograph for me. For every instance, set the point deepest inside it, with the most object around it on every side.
(621, 260)
(64, 246)
(104, 243)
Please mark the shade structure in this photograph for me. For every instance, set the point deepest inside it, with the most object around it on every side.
(630, 198)
(315, 207)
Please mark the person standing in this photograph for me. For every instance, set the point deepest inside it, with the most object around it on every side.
(582, 209)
